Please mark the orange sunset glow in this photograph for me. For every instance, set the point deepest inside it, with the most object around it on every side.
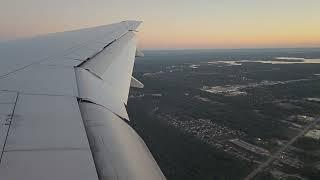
(175, 25)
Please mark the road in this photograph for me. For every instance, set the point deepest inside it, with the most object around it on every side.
(283, 148)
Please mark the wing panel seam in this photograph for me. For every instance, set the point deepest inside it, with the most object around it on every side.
(5, 141)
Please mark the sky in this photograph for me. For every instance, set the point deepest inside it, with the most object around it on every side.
(174, 24)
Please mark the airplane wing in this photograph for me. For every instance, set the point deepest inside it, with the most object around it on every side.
(63, 107)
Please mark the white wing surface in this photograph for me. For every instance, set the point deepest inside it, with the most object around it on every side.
(62, 107)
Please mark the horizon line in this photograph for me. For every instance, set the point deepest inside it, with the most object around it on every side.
(245, 48)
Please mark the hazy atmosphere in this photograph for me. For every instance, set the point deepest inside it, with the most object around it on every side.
(209, 90)
(174, 23)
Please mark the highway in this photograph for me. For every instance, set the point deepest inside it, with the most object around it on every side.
(278, 152)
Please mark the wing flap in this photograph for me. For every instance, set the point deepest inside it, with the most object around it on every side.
(118, 150)
(139, 53)
(115, 64)
(47, 140)
(48, 165)
(93, 89)
(136, 83)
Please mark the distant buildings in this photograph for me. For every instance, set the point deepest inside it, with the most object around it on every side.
(250, 147)
(314, 134)
(313, 99)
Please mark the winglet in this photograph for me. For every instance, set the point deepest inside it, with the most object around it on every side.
(135, 83)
